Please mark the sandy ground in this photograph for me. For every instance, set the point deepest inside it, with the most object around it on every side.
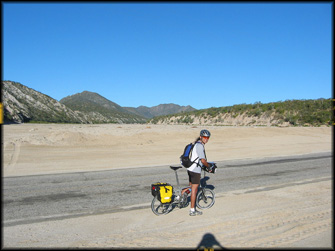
(295, 215)
(68, 148)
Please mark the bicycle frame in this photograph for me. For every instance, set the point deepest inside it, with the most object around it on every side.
(205, 197)
(202, 184)
(179, 193)
(201, 188)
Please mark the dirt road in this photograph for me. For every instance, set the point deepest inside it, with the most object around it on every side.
(298, 215)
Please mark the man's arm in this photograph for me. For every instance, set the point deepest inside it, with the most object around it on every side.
(204, 162)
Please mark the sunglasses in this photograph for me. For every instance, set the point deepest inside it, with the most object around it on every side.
(205, 137)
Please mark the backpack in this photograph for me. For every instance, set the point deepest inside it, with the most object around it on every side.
(185, 158)
(163, 191)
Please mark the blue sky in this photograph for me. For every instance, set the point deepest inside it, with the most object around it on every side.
(199, 54)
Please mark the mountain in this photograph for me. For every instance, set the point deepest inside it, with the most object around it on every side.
(92, 102)
(159, 110)
(100, 109)
(23, 104)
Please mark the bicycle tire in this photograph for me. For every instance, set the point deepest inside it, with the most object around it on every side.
(205, 198)
(159, 208)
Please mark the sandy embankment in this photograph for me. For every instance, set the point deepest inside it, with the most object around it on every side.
(53, 148)
(296, 215)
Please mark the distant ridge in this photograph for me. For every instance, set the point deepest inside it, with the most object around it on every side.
(90, 101)
(159, 110)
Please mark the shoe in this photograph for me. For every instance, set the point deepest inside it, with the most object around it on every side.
(194, 213)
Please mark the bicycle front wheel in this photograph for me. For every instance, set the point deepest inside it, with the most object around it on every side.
(205, 198)
(159, 208)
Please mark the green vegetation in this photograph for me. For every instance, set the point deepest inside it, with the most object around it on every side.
(316, 112)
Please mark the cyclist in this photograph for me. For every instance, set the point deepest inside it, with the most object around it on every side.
(194, 171)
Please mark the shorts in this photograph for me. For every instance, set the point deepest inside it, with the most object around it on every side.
(194, 178)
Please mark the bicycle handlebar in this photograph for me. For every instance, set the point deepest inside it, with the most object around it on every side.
(211, 169)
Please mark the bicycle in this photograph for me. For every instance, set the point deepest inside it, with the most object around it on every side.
(205, 197)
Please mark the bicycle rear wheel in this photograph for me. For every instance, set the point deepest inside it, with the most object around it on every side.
(205, 198)
(159, 208)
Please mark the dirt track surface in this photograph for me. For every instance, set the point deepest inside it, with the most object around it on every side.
(297, 215)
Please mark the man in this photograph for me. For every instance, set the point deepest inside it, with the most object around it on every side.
(194, 171)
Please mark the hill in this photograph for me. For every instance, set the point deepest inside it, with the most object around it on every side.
(318, 112)
(23, 104)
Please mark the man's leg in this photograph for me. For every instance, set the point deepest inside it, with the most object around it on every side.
(194, 191)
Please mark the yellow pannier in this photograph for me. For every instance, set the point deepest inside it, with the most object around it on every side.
(164, 191)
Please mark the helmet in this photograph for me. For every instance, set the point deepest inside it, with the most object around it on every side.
(205, 133)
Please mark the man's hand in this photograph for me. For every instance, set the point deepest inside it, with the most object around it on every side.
(204, 162)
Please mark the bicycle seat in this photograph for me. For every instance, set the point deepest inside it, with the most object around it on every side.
(175, 167)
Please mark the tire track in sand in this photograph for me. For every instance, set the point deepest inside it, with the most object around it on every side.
(264, 219)
(11, 155)
(279, 221)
